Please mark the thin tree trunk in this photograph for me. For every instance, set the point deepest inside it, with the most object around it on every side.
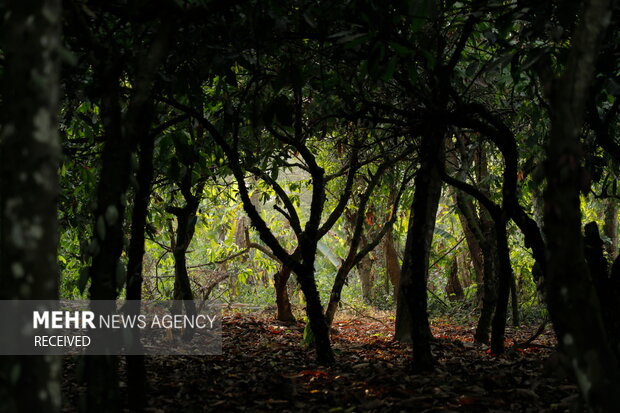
(136, 371)
(392, 266)
(475, 252)
(454, 290)
(611, 228)
(516, 318)
(29, 160)
(364, 269)
(503, 287)
(186, 226)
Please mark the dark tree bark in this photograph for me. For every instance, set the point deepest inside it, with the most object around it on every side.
(136, 371)
(606, 290)
(107, 243)
(417, 248)
(29, 161)
(121, 134)
(571, 298)
(505, 277)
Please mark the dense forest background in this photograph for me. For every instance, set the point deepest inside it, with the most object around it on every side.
(455, 158)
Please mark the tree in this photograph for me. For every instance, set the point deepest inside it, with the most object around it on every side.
(29, 160)
(122, 131)
(573, 305)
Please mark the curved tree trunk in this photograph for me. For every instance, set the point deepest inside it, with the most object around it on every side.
(484, 232)
(186, 225)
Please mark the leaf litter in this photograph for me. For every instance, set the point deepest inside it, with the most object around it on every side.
(265, 367)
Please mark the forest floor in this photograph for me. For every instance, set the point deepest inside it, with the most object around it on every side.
(264, 367)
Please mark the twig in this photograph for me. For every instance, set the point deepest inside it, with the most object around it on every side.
(529, 341)
(449, 251)
(222, 261)
(437, 297)
(360, 313)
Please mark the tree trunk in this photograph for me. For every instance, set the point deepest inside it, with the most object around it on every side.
(283, 303)
(489, 287)
(186, 226)
(403, 322)
(107, 243)
(573, 305)
(516, 319)
(505, 277)
(485, 234)
(475, 252)
(611, 228)
(29, 160)
(316, 317)
(417, 249)
(392, 266)
(339, 281)
(605, 288)
(454, 290)
(364, 268)
(486, 231)
(136, 371)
